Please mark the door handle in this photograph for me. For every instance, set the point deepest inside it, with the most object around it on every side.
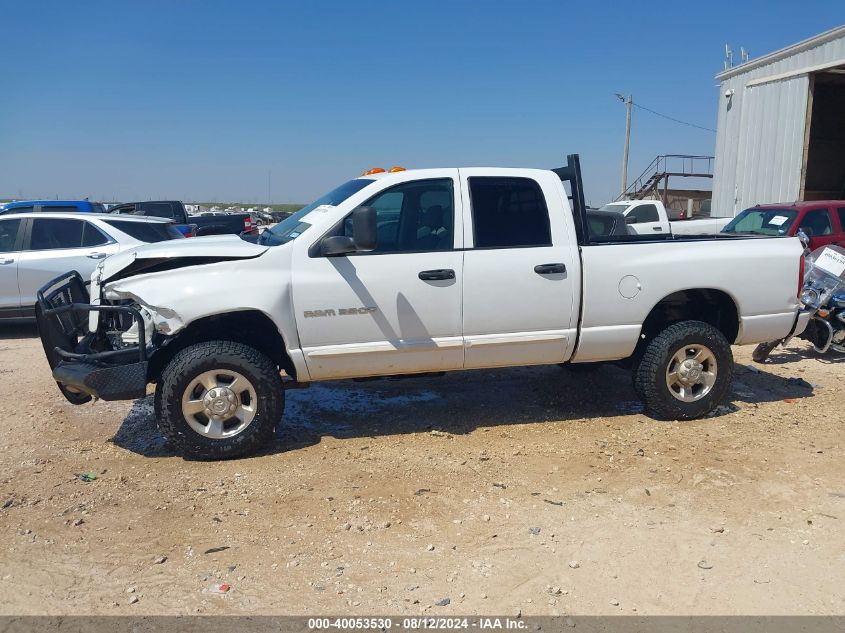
(6, 260)
(549, 269)
(96, 255)
(657, 228)
(434, 275)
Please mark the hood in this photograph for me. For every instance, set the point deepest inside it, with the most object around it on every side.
(193, 251)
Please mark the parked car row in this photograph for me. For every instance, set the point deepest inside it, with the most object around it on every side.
(35, 247)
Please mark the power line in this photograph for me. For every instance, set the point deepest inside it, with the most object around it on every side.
(666, 116)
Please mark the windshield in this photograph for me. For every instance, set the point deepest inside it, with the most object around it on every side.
(762, 222)
(619, 207)
(292, 226)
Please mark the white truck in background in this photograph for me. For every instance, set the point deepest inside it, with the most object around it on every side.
(650, 217)
(412, 272)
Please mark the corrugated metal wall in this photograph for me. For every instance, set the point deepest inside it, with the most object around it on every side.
(760, 130)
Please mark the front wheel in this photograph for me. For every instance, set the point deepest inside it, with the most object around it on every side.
(218, 400)
(685, 371)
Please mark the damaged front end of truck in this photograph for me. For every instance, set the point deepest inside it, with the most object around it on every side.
(99, 342)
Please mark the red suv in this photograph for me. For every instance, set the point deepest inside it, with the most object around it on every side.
(822, 220)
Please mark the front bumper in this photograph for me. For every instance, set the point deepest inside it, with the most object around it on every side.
(81, 372)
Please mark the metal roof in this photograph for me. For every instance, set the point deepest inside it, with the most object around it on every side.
(794, 49)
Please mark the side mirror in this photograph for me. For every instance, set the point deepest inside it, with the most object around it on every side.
(364, 234)
(630, 219)
(337, 245)
(364, 228)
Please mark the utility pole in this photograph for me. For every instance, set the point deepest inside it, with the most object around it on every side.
(629, 104)
(268, 187)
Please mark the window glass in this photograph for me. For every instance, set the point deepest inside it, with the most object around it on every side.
(8, 234)
(762, 222)
(123, 209)
(156, 209)
(816, 222)
(52, 233)
(645, 213)
(290, 228)
(413, 216)
(841, 212)
(92, 236)
(508, 213)
(59, 208)
(147, 231)
(18, 210)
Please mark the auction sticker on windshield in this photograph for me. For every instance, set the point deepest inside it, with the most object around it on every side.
(778, 220)
(831, 261)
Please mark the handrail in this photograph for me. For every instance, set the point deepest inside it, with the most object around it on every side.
(684, 165)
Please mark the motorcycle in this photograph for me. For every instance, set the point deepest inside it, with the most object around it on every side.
(823, 293)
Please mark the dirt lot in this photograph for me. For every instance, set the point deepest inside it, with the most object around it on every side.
(536, 490)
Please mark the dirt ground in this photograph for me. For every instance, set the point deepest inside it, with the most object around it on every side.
(535, 490)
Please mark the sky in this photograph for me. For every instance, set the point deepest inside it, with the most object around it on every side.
(232, 101)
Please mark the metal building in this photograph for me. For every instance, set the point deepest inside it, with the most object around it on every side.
(781, 127)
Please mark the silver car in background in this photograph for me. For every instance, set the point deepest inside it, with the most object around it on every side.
(37, 247)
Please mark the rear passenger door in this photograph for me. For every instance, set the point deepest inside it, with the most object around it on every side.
(519, 271)
(54, 246)
(10, 238)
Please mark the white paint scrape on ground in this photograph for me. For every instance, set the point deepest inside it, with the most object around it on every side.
(537, 490)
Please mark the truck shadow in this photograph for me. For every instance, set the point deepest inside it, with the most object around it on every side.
(460, 403)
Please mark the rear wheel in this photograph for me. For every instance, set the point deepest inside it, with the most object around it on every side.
(685, 371)
(218, 400)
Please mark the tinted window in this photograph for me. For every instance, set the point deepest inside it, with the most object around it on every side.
(508, 212)
(413, 216)
(147, 231)
(50, 234)
(157, 209)
(92, 236)
(841, 212)
(8, 234)
(18, 210)
(645, 213)
(59, 209)
(123, 208)
(816, 222)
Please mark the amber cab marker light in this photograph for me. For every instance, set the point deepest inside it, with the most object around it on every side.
(374, 170)
(393, 170)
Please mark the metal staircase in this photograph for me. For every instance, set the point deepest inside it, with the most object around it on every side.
(657, 174)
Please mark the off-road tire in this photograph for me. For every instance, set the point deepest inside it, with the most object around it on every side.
(650, 372)
(202, 357)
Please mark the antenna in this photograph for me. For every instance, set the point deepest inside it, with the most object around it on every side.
(743, 54)
(729, 57)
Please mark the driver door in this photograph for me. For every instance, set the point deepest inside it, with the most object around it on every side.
(396, 309)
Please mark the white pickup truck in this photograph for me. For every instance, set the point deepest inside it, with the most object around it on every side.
(411, 272)
(650, 217)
